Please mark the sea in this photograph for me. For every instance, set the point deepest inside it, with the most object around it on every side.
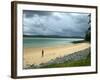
(31, 42)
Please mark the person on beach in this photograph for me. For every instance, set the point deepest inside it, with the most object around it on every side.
(42, 53)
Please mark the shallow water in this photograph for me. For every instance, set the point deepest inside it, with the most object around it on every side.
(47, 42)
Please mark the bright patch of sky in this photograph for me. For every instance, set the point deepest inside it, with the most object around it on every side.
(55, 23)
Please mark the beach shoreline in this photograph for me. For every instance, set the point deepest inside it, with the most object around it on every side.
(35, 56)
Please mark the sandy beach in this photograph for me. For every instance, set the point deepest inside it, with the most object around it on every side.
(34, 55)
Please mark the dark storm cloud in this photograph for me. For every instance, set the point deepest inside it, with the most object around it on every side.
(55, 23)
(30, 13)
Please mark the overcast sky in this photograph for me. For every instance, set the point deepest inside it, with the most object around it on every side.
(55, 23)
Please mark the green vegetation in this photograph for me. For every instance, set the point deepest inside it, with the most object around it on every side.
(78, 41)
(88, 33)
(81, 62)
(88, 36)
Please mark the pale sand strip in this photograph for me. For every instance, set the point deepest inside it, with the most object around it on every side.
(34, 55)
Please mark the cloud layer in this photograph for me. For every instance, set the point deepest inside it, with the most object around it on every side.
(55, 23)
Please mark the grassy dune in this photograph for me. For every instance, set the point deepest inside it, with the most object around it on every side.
(81, 62)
